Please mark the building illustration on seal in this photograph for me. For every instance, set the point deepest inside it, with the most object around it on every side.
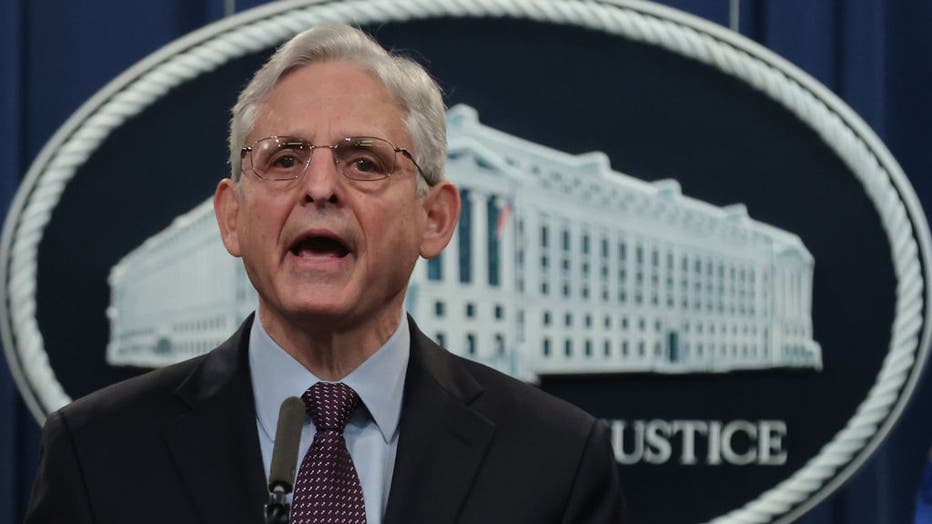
(559, 265)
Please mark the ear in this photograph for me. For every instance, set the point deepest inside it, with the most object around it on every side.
(442, 205)
(226, 208)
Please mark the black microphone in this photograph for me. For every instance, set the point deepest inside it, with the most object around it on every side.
(284, 460)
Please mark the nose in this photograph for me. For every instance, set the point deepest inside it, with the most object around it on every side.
(322, 183)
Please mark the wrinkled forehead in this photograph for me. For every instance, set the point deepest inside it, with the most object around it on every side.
(338, 98)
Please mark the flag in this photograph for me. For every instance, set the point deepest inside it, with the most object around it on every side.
(504, 212)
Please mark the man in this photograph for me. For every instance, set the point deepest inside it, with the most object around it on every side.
(337, 152)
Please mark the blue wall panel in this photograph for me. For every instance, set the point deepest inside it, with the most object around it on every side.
(84, 45)
(11, 165)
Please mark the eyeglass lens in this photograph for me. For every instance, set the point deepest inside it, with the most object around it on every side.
(359, 158)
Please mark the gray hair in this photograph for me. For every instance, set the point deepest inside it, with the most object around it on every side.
(409, 83)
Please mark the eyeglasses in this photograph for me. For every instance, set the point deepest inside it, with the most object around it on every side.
(357, 157)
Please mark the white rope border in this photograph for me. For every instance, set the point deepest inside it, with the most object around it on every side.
(265, 27)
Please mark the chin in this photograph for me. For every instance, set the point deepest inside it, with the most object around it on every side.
(320, 309)
(308, 306)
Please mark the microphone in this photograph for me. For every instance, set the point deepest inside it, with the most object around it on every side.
(284, 460)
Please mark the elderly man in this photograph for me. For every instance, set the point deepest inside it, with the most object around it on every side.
(337, 152)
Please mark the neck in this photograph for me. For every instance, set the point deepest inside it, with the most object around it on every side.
(326, 347)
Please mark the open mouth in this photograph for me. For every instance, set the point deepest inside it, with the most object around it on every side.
(319, 246)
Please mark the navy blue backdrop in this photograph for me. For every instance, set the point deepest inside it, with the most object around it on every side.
(875, 54)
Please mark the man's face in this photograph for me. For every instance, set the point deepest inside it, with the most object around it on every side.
(325, 248)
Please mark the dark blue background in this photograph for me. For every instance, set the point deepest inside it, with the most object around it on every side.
(875, 55)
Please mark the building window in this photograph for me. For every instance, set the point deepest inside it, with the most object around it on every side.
(546, 318)
(470, 310)
(544, 236)
(568, 347)
(494, 242)
(499, 311)
(471, 343)
(440, 338)
(499, 344)
(568, 319)
(546, 347)
(465, 238)
(435, 268)
(588, 348)
(606, 348)
(439, 309)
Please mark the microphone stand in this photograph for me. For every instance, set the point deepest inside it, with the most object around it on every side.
(278, 509)
(284, 459)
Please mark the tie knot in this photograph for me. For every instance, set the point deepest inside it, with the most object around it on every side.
(329, 405)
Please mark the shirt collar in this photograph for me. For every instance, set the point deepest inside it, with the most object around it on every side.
(379, 381)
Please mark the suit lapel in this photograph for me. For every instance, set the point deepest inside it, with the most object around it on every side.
(442, 440)
(215, 444)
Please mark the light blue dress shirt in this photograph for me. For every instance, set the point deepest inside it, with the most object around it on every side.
(371, 434)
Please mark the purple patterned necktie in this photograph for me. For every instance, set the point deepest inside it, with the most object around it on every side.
(328, 488)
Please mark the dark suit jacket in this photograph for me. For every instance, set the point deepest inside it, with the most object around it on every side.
(179, 445)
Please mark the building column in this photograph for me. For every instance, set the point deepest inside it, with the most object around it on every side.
(506, 275)
(612, 306)
(780, 283)
(532, 253)
(531, 345)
